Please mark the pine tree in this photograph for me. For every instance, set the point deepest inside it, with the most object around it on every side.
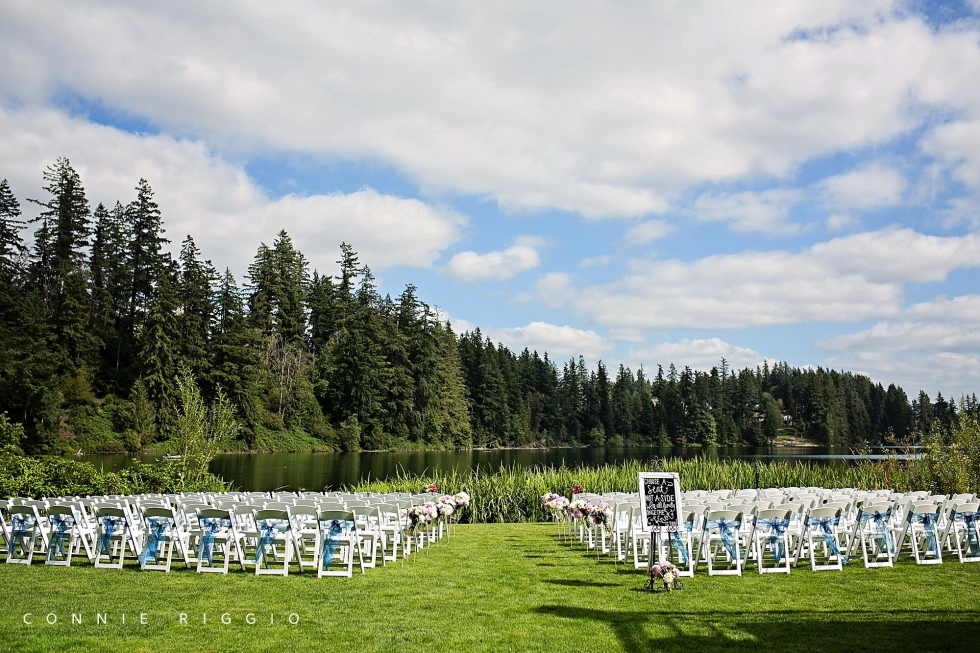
(196, 312)
(157, 357)
(147, 260)
(11, 243)
(59, 269)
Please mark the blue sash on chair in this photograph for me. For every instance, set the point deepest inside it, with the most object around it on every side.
(883, 536)
(109, 525)
(725, 530)
(268, 528)
(56, 542)
(777, 527)
(970, 519)
(156, 534)
(337, 527)
(928, 522)
(210, 527)
(20, 528)
(824, 524)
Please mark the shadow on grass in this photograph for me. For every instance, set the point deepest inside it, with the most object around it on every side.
(581, 583)
(881, 630)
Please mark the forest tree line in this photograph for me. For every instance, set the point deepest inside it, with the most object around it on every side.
(97, 319)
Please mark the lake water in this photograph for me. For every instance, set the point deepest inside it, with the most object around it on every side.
(314, 471)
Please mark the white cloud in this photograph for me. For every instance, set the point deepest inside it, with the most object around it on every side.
(558, 341)
(951, 373)
(841, 221)
(765, 211)
(930, 346)
(700, 354)
(957, 146)
(521, 256)
(647, 232)
(594, 261)
(851, 278)
(871, 187)
(939, 325)
(215, 201)
(569, 105)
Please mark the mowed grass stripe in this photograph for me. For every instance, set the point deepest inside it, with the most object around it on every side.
(496, 587)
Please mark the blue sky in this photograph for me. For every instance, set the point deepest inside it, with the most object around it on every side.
(643, 183)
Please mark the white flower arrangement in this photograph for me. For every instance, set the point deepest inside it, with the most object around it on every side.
(556, 504)
(462, 499)
(446, 505)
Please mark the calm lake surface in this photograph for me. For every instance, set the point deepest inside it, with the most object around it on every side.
(314, 471)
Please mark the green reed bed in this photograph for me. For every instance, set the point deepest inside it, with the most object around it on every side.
(512, 493)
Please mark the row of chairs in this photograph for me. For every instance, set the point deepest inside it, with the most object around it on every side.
(210, 531)
(777, 528)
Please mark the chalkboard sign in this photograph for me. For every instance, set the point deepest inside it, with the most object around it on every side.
(660, 494)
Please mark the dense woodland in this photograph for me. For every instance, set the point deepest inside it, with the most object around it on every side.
(97, 318)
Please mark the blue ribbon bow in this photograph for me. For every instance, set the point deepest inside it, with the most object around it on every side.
(928, 522)
(824, 524)
(268, 529)
(337, 527)
(21, 527)
(56, 543)
(109, 525)
(970, 520)
(725, 530)
(880, 520)
(210, 526)
(777, 528)
(156, 534)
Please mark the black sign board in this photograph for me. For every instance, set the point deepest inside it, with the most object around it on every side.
(660, 494)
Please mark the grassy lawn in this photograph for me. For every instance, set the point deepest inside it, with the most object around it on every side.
(495, 587)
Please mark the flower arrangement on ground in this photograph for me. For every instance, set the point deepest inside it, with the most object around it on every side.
(666, 572)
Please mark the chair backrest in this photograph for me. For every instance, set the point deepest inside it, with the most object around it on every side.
(262, 515)
(727, 515)
(775, 513)
(156, 512)
(109, 511)
(824, 511)
(214, 513)
(967, 507)
(326, 516)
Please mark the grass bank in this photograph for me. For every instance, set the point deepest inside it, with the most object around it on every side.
(493, 588)
(511, 494)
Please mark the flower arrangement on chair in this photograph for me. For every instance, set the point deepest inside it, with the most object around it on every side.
(601, 515)
(577, 489)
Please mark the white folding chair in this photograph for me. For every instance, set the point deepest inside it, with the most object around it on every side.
(217, 530)
(872, 528)
(964, 531)
(25, 534)
(772, 534)
(338, 539)
(114, 533)
(722, 542)
(274, 528)
(820, 530)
